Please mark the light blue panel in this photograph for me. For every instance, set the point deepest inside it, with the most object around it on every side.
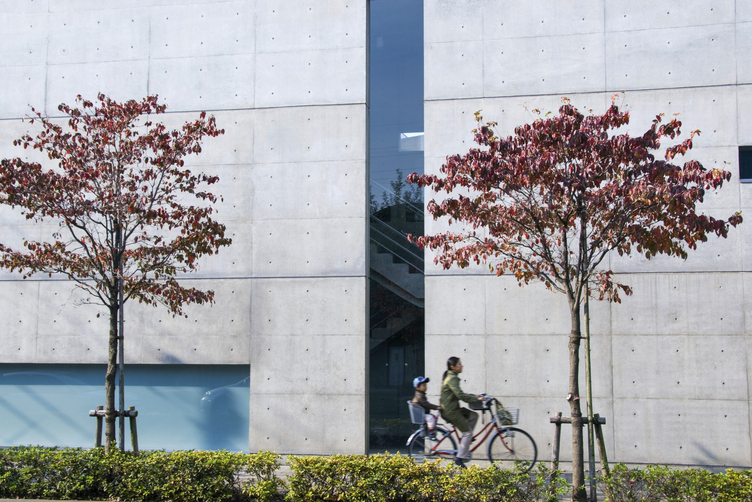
(180, 406)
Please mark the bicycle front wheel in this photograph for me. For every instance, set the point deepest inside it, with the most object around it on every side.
(511, 445)
(442, 446)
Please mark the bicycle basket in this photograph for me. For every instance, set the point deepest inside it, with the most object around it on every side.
(507, 416)
(417, 413)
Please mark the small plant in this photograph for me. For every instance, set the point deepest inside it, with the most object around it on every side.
(264, 486)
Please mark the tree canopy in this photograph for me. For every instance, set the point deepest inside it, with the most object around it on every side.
(130, 213)
(551, 201)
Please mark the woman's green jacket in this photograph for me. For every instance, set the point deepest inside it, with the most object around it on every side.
(451, 395)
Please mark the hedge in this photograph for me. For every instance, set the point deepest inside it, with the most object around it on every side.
(208, 476)
(659, 484)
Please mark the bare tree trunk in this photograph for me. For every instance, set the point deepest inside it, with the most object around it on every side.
(578, 467)
(109, 379)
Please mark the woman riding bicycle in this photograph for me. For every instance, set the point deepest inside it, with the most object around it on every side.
(462, 418)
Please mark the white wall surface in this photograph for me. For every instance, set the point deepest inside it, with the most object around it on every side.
(287, 82)
(670, 364)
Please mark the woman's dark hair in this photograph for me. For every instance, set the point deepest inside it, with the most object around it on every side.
(452, 361)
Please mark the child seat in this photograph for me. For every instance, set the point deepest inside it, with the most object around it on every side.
(417, 413)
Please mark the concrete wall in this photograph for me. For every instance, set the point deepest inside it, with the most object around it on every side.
(671, 363)
(287, 81)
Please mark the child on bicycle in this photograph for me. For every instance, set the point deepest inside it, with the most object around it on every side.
(421, 386)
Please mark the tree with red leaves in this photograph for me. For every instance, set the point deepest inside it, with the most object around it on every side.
(551, 201)
(121, 195)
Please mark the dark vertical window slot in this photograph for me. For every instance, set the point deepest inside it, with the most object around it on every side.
(396, 328)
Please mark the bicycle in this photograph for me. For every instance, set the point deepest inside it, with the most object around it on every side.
(506, 445)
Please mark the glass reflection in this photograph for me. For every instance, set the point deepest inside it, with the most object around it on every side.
(396, 273)
(179, 406)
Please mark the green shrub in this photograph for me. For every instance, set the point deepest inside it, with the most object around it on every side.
(264, 485)
(659, 483)
(629, 485)
(358, 478)
(397, 478)
(52, 473)
(181, 476)
(209, 476)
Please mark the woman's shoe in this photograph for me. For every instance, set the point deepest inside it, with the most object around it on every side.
(460, 462)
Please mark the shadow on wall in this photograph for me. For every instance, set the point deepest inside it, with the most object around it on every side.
(222, 417)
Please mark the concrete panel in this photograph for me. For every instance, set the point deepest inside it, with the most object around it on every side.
(744, 111)
(455, 305)
(321, 190)
(197, 30)
(646, 15)
(16, 233)
(509, 19)
(471, 349)
(50, 326)
(83, 5)
(450, 124)
(689, 432)
(454, 70)
(717, 254)
(204, 83)
(62, 349)
(518, 110)
(681, 304)
(236, 188)
(538, 366)
(300, 423)
(688, 367)
(233, 148)
(233, 261)
(335, 24)
(544, 65)
(321, 77)
(534, 310)
(747, 278)
(743, 12)
(743, 49)
(308, 306)
(745, 194)
(24, 41)
(726, 199)
(310, 134)
(111, 35)
(18, 348)
(675, 57)
(332, 247)
(339, 354)
(63, 311)
(437, 269)
(712, 110)
(19, 301)
(23, 87)
(207, 349)
(230, 314)
(23, 6)
(120, 80)
(13, 129)
(454, 20)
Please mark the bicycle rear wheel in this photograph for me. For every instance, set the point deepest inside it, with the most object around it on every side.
(442, 446)
(510, 445)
